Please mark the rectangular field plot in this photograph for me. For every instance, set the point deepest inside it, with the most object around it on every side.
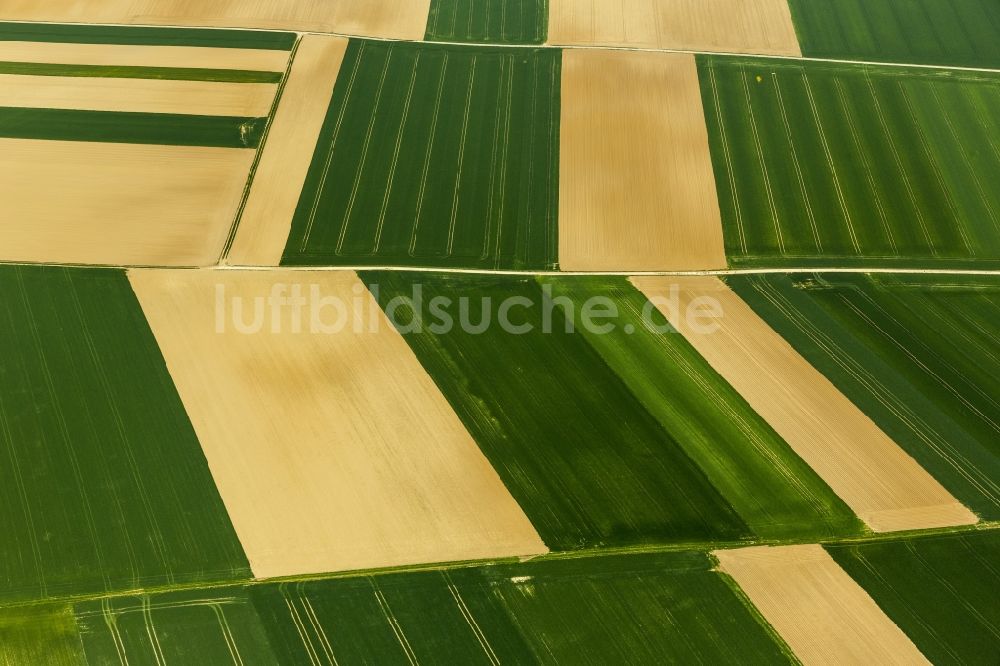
(916, 353)
(585, 460)
(844, 165)
(104, 486)
(941, 590)
(40, 634)
(491, 21)
(773, 490)
(435, 156)
(958, 32)
(608, 609)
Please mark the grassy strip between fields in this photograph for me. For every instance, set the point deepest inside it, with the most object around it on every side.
(107, 34)
(128, 72)
(128, 127)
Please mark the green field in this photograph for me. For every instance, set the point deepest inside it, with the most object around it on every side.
(492, 21)
(435, 156)
(130, 72)
(957, 32)
(824, 164)
(103, 485)
(775, 492)
(107, 34)
(941, 590)
(43, 634)
(915, 353)
(578, 451)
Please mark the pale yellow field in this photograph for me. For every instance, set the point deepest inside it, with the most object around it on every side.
(636, 186)
(118, 204)
(727, 26)
(884, 486)
(121, 55)
(395, 19)
(93, 93)
(823, 615)
(331, 451)
(287, 152)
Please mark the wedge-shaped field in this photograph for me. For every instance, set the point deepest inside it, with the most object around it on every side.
(435, 156)
(492, 21)
(331, 446)
(607, 609)
(825, 617)
(636, 189)
(961, 32)
(775, 492)
(827, 164)
(585, 460)
(915, 353)
(103, 486)
(941, 590)
(725, 26)
(40, 634)
(389, 19)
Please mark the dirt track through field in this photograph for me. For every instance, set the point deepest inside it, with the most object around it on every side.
(123, 55)
(392, 19)
(287, 153)
(636, 187)
(823, 615)
(120, 204)
(95, 93)
(884, 486)
(726, 26)
(332, 451)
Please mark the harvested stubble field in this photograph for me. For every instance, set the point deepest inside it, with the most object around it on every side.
(435, 155)
(959, 32)
(491, 21)
(827, 164)
(915, 353)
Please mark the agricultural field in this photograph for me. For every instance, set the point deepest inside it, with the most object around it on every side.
(941, 590)
(434, 156)
(960, 32)
(104, 485)
(915, 353)
(489, 21)
(824, 164)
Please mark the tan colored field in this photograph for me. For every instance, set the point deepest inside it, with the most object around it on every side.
(636, 186)
(118, 204)
(120, 55)
(823, 615)
(93, 93)
(887, 488)
(394, 19)
(287, 152)
(727, 26)
(331, 451)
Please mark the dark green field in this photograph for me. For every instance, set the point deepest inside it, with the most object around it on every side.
(103, 484)
(915, 353)
(578, 451)
(773, 490)
(435, 156)
(941, 590)
(822, 164)
(491, 21)
(108, 34)
(957, 32)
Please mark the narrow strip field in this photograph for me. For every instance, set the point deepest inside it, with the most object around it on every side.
(80, 33)
(132, 55)
(824, 616)
(491, 21)
(915, 353)
(277, 182)
(959, 32)
(726, 26)
(887, 489)
(847, 165)
(103, 486)
(636, 188)
(331, 447)
(435, 156)
(941, 590)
